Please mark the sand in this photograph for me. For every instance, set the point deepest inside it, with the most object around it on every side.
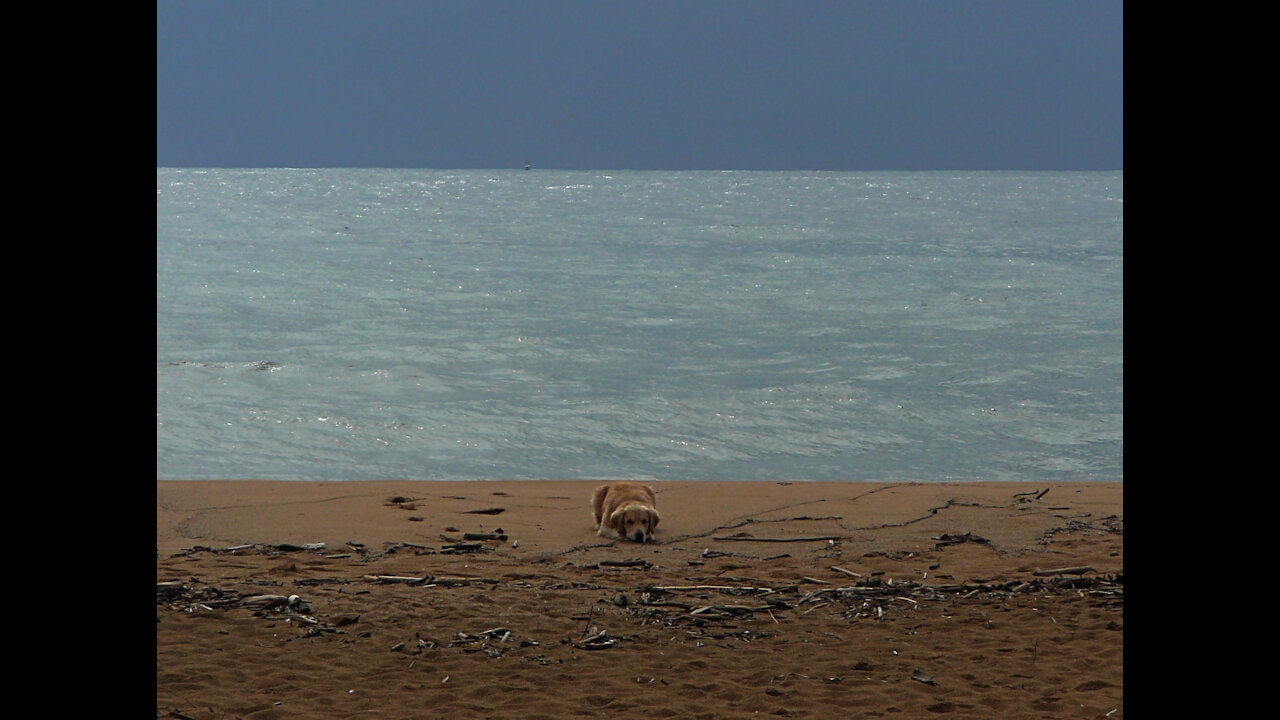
(476, 600)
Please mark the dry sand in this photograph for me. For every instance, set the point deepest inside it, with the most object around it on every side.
(831, 600)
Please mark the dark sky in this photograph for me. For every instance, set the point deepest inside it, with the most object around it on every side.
(641, 84)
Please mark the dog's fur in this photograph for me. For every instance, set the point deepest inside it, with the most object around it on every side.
(625, 510)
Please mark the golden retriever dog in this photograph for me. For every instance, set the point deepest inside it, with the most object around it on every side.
(625, 510)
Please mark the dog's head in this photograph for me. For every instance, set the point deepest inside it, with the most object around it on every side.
(634, 521)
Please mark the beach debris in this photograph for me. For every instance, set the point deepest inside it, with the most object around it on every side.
(1109, 525)
(947, 539)
(402, 501)
(870, 597)
(431, 580)
(196, 597)
(626, 563)
(1079, 570)
(486, 511)
(263, 548)
(642, 564)
(750, 538)
(407, 579)
(264, 602)
(1022, 497)
(598, 641)
(493, 642)
(919, 676)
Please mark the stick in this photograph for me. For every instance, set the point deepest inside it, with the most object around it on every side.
(677, 588)
(810, 538)
(1064, 571)
(398, 578)
(459, 581)
(730, 608)
(850, 573)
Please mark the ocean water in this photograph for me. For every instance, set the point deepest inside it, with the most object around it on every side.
(350, 324)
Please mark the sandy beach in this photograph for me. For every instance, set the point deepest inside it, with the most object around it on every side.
(473, 600)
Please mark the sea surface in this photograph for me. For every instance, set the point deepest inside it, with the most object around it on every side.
(353, 324)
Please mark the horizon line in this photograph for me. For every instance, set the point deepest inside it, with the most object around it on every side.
(518, 168)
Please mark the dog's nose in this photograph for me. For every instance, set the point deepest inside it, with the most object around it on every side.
(639, 536)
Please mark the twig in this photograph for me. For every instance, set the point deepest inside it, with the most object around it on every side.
(730, 609)
(398, 579)
(1064, 571)
(810, 538)
(723, 588)
(458, 581)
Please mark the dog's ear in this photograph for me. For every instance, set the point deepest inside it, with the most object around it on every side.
(653, 519)
(618, 521)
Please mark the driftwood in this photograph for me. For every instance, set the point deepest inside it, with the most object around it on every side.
(430, 580)
(919, 676)
(627, 563)
(407, 579)
(1079, 570)
(290, 547)
(722, 588)
(493, 642)
(264, 548)
(599, 641)
(947, 539)
(730, 609)
(749, 538)
(1038, 494)
(461, 581)
(870, 597)
(177, 595)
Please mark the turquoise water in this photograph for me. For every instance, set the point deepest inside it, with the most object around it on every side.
(425, 324)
